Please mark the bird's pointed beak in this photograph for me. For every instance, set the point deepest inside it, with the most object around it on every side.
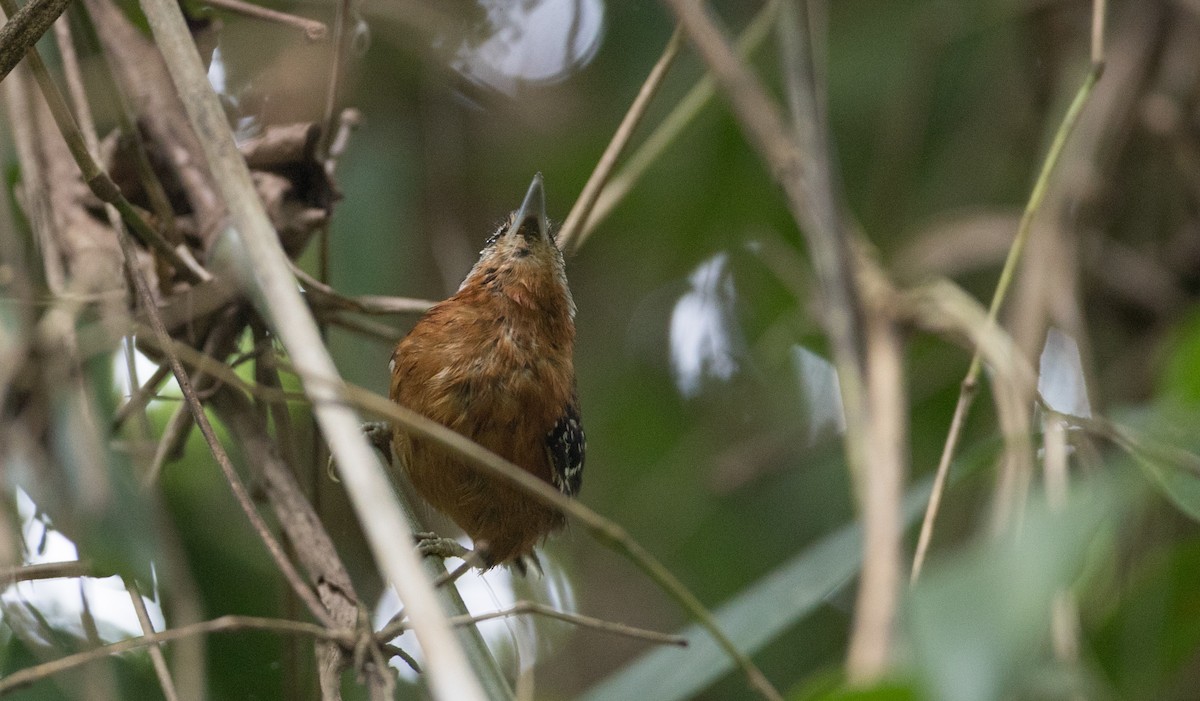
(530, 219)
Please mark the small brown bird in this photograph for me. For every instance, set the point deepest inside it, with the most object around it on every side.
(494, 363)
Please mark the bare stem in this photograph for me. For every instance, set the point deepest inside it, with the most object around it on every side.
(532, 607)
(672, 126)
(313, 30)
(48, 570)
(156, 653)
(29, 675)
(572, 234)
(23, 29)
(969, 384)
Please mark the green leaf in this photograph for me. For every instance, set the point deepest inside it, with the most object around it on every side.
(1161, 439)
(752, 620)
(1178, 483)
(977, 621)
(882, 692)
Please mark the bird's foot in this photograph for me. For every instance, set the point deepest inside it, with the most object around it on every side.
(379, 433)
(433, 545)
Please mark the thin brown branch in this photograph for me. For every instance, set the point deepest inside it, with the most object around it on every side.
(969, 386)
(572, 235)
(156, 653)
(174, 435)
(365, 327)
(325, 296)
(520, 608)
(141, 396)
(1099, 18)
(179, 426)
(673, 125)
(48, 570)
(532, 607)
(23, 29)
(299, 521)
(343, 29)
(881, 496)
(29, 675)
(313, 30)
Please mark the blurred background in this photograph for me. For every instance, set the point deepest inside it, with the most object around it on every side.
(711, 409)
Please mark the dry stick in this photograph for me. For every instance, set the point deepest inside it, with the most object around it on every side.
(366, 327)
(878, 481)
(1064, 613)
(569, 236)
(341, 44)
(174, 434)
(1099, 16)
(23, 29)
(313, 30)
(249, 250)
(74, 78)
(881, 494)
(970, 383)
(397, 627)
(671, 127)
(532, 607)
(321, 294)
(29, 675)
(305, 533)
(156, 653)
(140, 397)
(48, 570)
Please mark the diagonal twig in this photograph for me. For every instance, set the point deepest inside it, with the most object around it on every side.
(313, 30)
(29, 675)
(969, 387)
(23, 29)
(156, 653)
(672, 126)
(572, 234)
